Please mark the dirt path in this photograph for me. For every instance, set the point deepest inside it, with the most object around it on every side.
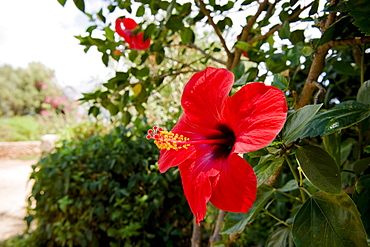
(14, 191)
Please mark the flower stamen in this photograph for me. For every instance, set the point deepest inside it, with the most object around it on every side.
(167, 140)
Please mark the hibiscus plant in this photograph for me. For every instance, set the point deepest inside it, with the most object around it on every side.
(262, 106)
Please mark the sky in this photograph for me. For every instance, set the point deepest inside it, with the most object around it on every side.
(43, 31)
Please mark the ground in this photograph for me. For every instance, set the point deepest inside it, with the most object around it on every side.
(14, 191)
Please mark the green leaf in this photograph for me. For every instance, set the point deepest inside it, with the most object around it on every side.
(111, 8)
(332, 146)
(91, 28)
(284, 15)
(169, 9)
(307, 51)
(297, 121)
(112, 108)
(94, 111)
(361, 165)
(345, 68)
(101, 16)
(239, 70)
(315, 6)
(340, 117)
(243, 45)
(175, 24)
(222, 24)
(280, 82)
(105, 59)
(235, 222)
(297, 36)
(258, 153)
(282, 237)
(126, 117)
(137, 89)
(62, 2)
(276, 63)
(241, 81)
(140, 11)
(284, 32)
(363, 95)
(360, 10)
(109, 33)
(142, 72)
(293, 2)
(247, 2)
(328, 220)
(132, 55)
(319, 168)
(346, 148)
(149, 30)
(265, 169)
(294, 55)
(187, 36)
(80, 4)
(362, 200)
(251, 74)
(334, 30)
(140, 108)
(289, 186)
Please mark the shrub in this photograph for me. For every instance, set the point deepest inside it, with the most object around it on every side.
(107, 191)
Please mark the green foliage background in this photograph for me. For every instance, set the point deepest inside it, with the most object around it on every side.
(107, 191)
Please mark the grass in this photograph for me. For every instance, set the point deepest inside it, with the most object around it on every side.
(27, 128)
(29, 157)
(19, 128)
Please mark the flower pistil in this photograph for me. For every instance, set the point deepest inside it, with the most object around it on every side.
(169, 140)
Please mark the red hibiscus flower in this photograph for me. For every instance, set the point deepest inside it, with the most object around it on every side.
(210, 134)
(135, 41)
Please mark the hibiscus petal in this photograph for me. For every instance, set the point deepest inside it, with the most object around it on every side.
(126, 34)
(205, 94)
(196, 179)
(256, 113)
(129, 23)
(138, 42)
(235, 188)
(172, 158)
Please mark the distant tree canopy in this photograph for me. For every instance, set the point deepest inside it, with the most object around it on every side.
(27, 91)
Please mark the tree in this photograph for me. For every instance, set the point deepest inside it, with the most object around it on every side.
(28, 91)
(319, 164)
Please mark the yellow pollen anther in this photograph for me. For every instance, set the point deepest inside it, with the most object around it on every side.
(167, 139)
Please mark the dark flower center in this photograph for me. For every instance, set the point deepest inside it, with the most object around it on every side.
(226, 134)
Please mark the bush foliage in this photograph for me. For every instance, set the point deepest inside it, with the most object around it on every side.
(107, 191)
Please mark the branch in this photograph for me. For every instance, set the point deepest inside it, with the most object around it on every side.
(276, 28)
(196, 235)
(244, 36)
(206, 12)
(191, 45)
(216, 237)
(331, 17)
(318, 65)
(261, 37)
(345, 42)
